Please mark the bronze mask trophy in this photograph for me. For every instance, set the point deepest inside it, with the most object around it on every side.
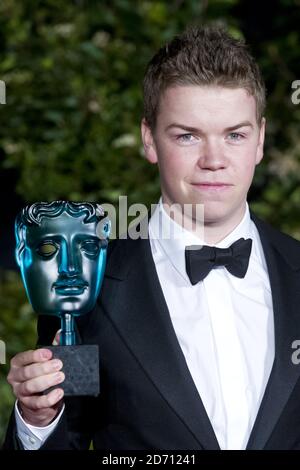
(61, 251)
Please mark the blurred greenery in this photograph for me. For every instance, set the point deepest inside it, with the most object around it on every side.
(17, 330)
(70, 128)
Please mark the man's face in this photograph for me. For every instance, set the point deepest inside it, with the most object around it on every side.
(207, 143)
(62, 265)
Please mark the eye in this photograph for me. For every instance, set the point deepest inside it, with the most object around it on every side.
(235, 136)
(46, 249)
(90, 247)
(185, 138)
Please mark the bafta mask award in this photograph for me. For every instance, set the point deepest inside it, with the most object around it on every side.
(61, 251)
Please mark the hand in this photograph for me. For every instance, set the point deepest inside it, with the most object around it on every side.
(30, 374)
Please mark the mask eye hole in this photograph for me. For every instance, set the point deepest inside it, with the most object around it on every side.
(46, 249)
(90, 247)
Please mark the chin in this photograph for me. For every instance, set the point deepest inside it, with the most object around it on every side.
(214, 215)
(71, 306)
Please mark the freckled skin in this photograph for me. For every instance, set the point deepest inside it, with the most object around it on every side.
(210, 152)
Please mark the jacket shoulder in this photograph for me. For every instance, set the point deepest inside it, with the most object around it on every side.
(288, 246)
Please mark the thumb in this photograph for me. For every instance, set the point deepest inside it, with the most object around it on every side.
(56, 340)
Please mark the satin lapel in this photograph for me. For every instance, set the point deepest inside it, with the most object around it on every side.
(283, 266)
(135, 304)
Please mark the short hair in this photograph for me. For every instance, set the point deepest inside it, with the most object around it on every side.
(204, 56)
(33, 214)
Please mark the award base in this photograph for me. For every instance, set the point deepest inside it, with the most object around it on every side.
(81, 369)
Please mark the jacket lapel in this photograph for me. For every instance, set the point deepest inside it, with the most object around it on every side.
(283, 260)
(138, 309)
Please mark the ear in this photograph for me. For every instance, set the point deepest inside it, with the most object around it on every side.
(20, 241)
(19, 252)
(148, 142)
(261, 140)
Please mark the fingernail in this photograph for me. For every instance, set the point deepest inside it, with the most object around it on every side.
(46, 354)
(56, 364)
(59, 376)
(59, 393)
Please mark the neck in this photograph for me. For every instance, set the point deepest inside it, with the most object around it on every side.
(215, 233)
(209, 231)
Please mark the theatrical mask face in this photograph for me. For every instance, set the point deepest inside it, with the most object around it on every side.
(62, 265)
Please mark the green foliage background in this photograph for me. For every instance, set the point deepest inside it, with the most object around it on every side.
(70, 128)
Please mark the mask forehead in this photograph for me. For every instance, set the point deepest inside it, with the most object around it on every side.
(64, 226)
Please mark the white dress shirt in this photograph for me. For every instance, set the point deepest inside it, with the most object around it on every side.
(224, 326)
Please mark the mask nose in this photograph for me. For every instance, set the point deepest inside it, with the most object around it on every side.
(70, 260)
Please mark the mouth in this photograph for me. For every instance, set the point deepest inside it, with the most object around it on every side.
(70, 287)
(214, 186)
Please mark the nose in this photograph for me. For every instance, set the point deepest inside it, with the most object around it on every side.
(70, 260)
(212, 156)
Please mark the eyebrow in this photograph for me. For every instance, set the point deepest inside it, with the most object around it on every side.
(195, 130)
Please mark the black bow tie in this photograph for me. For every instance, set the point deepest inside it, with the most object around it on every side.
(200, 260)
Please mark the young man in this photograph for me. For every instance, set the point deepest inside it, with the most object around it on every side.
(195, 343)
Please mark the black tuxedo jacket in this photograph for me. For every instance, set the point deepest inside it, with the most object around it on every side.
(148, 399)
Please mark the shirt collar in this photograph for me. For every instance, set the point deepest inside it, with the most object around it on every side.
(172, 238)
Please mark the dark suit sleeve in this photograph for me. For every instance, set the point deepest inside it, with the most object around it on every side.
(75, 428)
(12, 442)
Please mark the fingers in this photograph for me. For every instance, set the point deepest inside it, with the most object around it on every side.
(31, 373)
(28, 357)
(44, 401)
(56, 340)
(22, 374)
(38, 384)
